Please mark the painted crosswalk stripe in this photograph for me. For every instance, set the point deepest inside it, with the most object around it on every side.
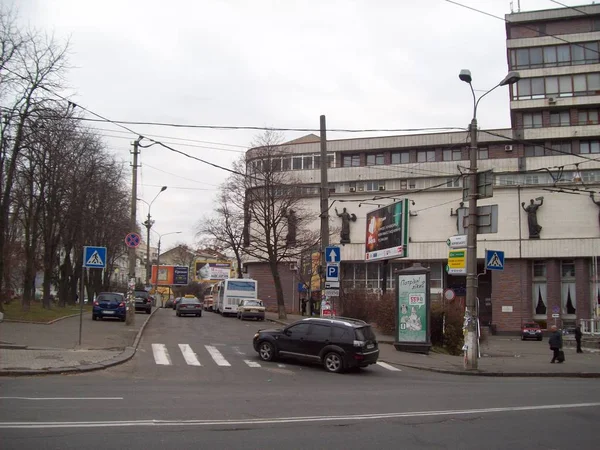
(251, 363)
(217, 356)
(388, 366)
(188, 354)
(161, 355)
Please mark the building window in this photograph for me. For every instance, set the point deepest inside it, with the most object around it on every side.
(276, 164)
(286, 164)
(351, 161)
(426, 156)
(532, 120)
(483, 153)
(589, 147)
(453, 182)
(560, 119)
(559, 148)
(317, 161)
(588, 117)
(297, 163)
(375, 160)
(555, 55)
(400, 158)
(307, 162)
(531, 179)
(568, 297)
(452, 155)
(539, 297)
(534, 150)
(561, 86)
(374, 185)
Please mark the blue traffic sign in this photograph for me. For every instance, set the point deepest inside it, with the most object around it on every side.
(333, 272)
(332, 254)
(94, 257)
(494, 260)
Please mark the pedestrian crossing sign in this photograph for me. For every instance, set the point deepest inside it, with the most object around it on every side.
(94, 257)
(494, 260)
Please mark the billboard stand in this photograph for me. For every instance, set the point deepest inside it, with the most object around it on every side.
(413, 310)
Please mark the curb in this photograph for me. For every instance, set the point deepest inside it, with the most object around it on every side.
(125, 356)
(41, 323)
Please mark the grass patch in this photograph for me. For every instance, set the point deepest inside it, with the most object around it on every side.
(36, 313)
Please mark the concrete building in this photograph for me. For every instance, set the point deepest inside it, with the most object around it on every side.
(551, 151)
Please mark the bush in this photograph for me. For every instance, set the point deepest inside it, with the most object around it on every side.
(373, 308)
(384, 315)
(452, 339)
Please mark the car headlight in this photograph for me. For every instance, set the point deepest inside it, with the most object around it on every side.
(256, 335)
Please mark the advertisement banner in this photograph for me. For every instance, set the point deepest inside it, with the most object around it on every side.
(169, 276)
(387, 232)
(212, 270)
(412, 308)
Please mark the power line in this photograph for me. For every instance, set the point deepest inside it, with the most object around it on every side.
(179, 176)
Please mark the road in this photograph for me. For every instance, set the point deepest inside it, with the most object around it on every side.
(198, 382)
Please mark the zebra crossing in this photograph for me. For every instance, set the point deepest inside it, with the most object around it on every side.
(212, 355)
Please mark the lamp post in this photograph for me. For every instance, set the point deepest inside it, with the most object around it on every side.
(160, 236)
(148, 224)
(471, 307)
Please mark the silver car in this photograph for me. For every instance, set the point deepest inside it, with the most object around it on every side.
(189, 306)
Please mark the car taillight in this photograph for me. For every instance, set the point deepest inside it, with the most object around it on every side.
(96, 303)
(357, 356)
(121, 304)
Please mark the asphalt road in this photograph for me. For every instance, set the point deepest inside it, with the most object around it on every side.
(178, 396)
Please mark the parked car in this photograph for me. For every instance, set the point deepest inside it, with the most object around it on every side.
(531, 330)
(177, 300)
(109, 304)
(187, 306)
(143, 301)
(251, 309)
(338, 343)
(169, 303)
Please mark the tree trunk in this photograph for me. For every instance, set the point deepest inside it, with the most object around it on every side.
(278, 292)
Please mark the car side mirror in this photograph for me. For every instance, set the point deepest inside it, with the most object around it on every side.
(287, 332)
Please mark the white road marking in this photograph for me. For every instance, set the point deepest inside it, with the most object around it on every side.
(251, 363)
(188, 354)
(61, 398)
(388, 366)
(217, 356)
(161, 355)
(281, 365)
(286, 420)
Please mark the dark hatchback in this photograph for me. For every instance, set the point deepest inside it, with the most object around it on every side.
(338, 344)
(143, 301)
(109, 304)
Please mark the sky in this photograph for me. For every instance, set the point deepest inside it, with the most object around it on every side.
(364, 64)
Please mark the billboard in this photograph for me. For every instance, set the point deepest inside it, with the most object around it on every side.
(211, 270)
(170, 275)
(387, 232)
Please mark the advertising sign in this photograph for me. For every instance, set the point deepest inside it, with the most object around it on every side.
(212, 270)
(457, 262)
(170, 275)
(387, 232)
(412, 310)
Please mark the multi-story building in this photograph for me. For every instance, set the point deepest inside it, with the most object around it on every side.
(551, 151)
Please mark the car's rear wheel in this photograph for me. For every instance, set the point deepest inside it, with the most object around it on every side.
(200, 315)
(266, 351)
(178, 314)
(148, 311)
(333, 362)
(540, 338)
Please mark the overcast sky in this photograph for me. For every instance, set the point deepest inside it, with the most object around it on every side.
(364, 64)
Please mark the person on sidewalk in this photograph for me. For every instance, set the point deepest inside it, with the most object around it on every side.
(303, 306)
(555, 343)
(578, 335)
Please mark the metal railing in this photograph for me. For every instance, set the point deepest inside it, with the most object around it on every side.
(590, 326)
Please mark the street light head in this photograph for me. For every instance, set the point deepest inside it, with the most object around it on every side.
(510, 78)
(164, 188)
(465, 75)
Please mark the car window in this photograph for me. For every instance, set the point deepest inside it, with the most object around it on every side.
(189, 301)
(110, 298)
(252, 303)
(340, 334)
(142, 294)
(300, 329)
(364, 334)
(531, 325)
(319, 332)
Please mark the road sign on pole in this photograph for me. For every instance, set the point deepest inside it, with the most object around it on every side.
(94, 257)
(332, 255)
(457, 262)
(459, 241)
(133, 240)
(494, 260)
(333, 272)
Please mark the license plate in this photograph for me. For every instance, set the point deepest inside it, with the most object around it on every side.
(254, 310)
(108, 312)
(370, 345)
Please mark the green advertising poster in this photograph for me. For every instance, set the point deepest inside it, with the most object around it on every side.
(412, 310)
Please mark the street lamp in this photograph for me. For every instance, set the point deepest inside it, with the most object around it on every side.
(160, 236)
(471, 310)
(148, 224)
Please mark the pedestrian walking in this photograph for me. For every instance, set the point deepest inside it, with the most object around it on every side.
(556, 344)
(578, 335)
(312, 306)
(303, 310)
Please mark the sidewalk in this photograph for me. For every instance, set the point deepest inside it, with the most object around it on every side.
(32, 348)
(500, 356)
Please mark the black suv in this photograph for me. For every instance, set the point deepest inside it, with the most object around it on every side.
(338, 343)
(143, 301)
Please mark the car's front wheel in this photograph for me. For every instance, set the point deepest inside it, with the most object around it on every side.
(94, 317)
(333, 362)
(266, 351)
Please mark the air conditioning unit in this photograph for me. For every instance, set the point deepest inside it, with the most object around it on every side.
(551, 101)
(293, 266)
(352, 189)
(382, 188)
(508, 148)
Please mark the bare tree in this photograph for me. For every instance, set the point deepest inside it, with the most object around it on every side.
(182, 255)
(275, 219)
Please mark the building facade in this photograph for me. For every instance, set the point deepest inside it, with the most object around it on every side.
(546, 179)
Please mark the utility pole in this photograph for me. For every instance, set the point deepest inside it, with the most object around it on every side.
(472, 341)
(130, 315)
(324, 205)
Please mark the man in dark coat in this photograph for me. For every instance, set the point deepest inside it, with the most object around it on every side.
(578, 335)
(555, 343)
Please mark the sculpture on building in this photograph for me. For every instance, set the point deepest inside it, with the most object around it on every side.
(346, 218)
(597, 202)
(457, 214)
(531, 210)
(292, 222)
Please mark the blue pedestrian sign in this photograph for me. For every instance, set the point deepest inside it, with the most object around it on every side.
(332, 254)
(94, 257)
(494, 260)
(333, 272)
